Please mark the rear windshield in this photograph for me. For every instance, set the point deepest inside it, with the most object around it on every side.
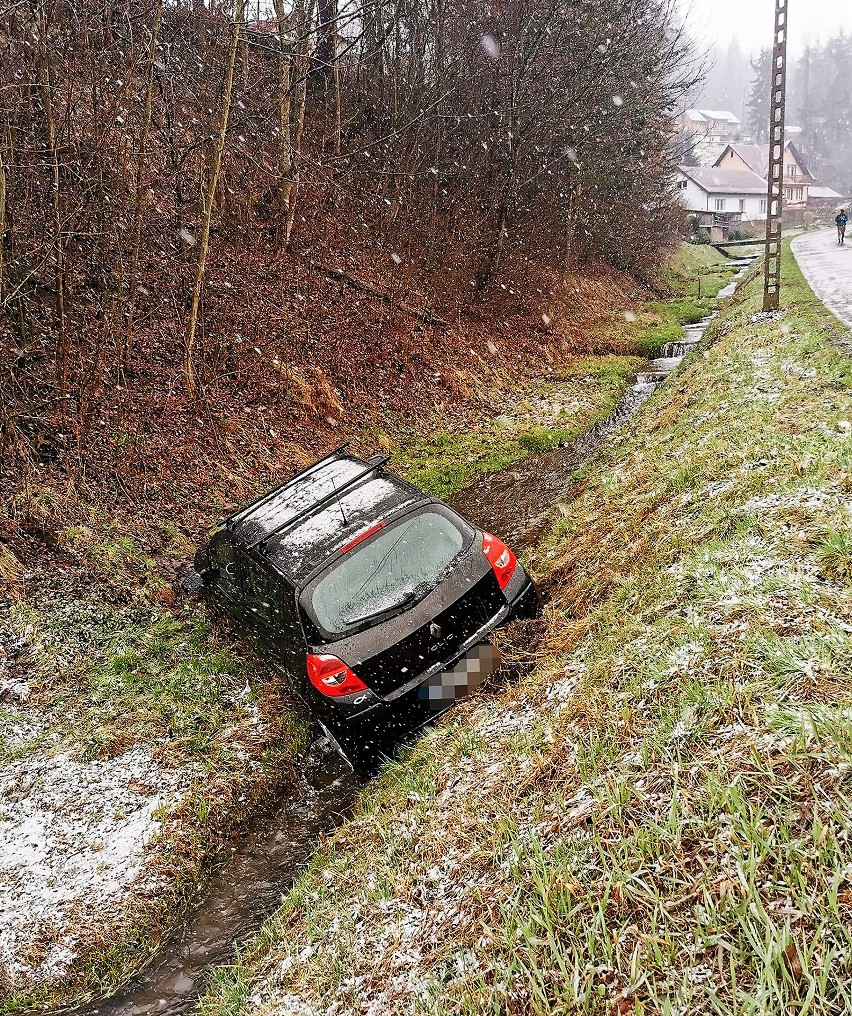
(388, 574)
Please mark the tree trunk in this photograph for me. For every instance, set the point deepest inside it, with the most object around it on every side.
(140, 188)
(326, 54)
(53, 156)
(285, 182)
(304, 11)
(188, 367)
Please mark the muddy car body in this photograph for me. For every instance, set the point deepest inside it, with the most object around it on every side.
(376, 599)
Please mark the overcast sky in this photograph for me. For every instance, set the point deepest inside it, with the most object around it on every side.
(716, 21)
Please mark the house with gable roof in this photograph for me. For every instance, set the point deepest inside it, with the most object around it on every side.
(721, 199)
(755, 159)
(705, 132)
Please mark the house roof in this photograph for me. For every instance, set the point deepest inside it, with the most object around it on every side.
(720, 114)
(820, 193)
(695, 115)
(713, 180)
(756, 157)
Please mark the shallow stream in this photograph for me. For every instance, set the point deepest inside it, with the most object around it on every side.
(515, 505)
(245, 890)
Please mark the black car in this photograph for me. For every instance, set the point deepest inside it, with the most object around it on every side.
(377, 599)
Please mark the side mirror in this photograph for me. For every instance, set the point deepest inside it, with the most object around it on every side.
(192, 582)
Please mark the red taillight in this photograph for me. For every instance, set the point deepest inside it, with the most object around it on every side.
(332, 676)
(377, 528)
(502, 560)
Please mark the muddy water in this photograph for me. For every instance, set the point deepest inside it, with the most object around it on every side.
(244, 892)
(515, 505)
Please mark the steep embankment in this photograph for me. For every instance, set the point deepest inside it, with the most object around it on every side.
(657, 817)
(134, 738)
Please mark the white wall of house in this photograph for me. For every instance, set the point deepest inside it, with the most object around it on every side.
(696, 199)
(752, 206)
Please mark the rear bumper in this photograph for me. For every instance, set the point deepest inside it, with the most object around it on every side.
(525, 603)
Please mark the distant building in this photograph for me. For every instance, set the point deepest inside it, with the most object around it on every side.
(825, 199)
(722, 125)
(705, 132)
(721, 199)
(755, 158)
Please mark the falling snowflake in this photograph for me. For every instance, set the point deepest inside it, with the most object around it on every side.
(491, 46)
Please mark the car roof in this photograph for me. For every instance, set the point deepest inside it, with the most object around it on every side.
(298, 532)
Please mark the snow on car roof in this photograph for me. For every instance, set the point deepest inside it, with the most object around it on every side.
(295, 497)
(305, 538)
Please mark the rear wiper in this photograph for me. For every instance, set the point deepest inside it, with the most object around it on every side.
(401, 602)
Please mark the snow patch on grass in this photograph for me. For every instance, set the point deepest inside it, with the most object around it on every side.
(72, 841)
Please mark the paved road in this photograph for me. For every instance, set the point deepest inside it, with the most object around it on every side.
(828, 269)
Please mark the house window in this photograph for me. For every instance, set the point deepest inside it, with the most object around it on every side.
(791, 172)
(788, 193)
(799, 193)
(742, 204)
(763, 206)
(720, 204)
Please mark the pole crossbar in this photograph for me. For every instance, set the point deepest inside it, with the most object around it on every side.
(775, 179)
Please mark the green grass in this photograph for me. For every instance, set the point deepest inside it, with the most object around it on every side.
(696, 270)
(108, 679)
(693, 277)
(574, 397)
(835, 554)
(140, 674)
(657, 818)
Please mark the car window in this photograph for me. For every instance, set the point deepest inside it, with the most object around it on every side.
(223, 558)
(386, 574)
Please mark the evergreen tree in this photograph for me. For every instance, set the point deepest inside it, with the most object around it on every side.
(757, 118)
(801, 91)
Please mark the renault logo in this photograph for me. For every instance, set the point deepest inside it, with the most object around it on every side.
(434, 630)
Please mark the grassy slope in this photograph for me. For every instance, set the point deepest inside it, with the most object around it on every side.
(656, 819)
(110, 679)
(694, 276)
(572, 398)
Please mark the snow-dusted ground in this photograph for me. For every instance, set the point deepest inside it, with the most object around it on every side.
(72, 840)
(828, 268)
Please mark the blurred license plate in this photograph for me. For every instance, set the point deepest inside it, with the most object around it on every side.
(465, 676)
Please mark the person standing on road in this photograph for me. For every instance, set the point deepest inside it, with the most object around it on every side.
(841, 222)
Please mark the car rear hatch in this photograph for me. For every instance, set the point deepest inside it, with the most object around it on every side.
(438, 641)
(389, 652)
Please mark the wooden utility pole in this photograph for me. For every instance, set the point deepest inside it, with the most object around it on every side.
(775, 180)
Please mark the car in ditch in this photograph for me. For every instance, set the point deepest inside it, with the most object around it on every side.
(376, 599)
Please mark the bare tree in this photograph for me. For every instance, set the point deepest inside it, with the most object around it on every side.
(219, 148)
(140, 185)
(148, 193)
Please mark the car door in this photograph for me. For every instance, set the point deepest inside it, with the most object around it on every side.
(226, 580)
(261, 606)
(270, 615)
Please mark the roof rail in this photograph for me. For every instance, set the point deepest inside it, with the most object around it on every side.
(307, 512)
(258, 501)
